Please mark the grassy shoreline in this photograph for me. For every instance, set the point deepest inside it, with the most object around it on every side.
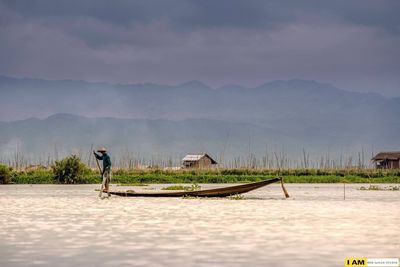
(218, 176)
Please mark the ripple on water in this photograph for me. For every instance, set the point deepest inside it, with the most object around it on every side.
(61, 225)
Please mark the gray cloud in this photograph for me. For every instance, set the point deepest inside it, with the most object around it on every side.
(210, 13)
(352, 44)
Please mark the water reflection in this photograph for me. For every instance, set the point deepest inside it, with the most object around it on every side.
(55, 225)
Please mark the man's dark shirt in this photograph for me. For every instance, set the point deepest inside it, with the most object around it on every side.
(106, 160)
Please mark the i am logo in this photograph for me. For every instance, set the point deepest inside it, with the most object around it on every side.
(355, 262)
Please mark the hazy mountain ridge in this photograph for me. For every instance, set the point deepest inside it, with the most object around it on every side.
(195, 117)
(23, 98)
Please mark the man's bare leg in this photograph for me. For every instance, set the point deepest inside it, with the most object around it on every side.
(106, 182)
(103, 185)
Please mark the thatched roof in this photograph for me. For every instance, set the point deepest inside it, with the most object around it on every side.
(197, 157)
(392, 155)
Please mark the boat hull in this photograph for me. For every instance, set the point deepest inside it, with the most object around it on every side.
(217, 192)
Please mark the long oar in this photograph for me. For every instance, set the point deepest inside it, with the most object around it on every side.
(284, 189)
(98, 165)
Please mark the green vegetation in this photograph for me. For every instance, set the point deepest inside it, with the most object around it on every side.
(133, 184)
(378, 188)
(237, 197)
(191, 197)
(5, 174)
(176, 187)
(193, 187)
(71, 171)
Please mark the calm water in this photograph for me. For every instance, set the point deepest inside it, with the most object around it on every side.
(57, 225)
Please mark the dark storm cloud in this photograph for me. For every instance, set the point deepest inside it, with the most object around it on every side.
(211, 13)
(349, 43)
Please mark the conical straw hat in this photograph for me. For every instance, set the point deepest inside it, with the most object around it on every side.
(102, 149)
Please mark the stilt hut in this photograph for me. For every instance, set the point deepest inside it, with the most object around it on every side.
(198, 161)
(387, 160)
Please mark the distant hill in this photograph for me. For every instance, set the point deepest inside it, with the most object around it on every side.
(172, 120)
(293, 99)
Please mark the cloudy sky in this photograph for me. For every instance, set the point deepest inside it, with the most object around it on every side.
(354, 45)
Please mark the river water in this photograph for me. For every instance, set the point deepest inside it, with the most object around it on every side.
(69, 225)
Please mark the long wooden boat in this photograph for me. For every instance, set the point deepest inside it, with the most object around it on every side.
(217, 192)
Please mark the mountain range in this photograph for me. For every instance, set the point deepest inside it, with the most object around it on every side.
(230, 121)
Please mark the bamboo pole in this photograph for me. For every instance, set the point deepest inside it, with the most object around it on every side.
(98, 165)
(97, 161)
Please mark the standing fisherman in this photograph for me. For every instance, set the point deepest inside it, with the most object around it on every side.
(106, 172)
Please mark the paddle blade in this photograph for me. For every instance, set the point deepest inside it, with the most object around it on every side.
(284, 189)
